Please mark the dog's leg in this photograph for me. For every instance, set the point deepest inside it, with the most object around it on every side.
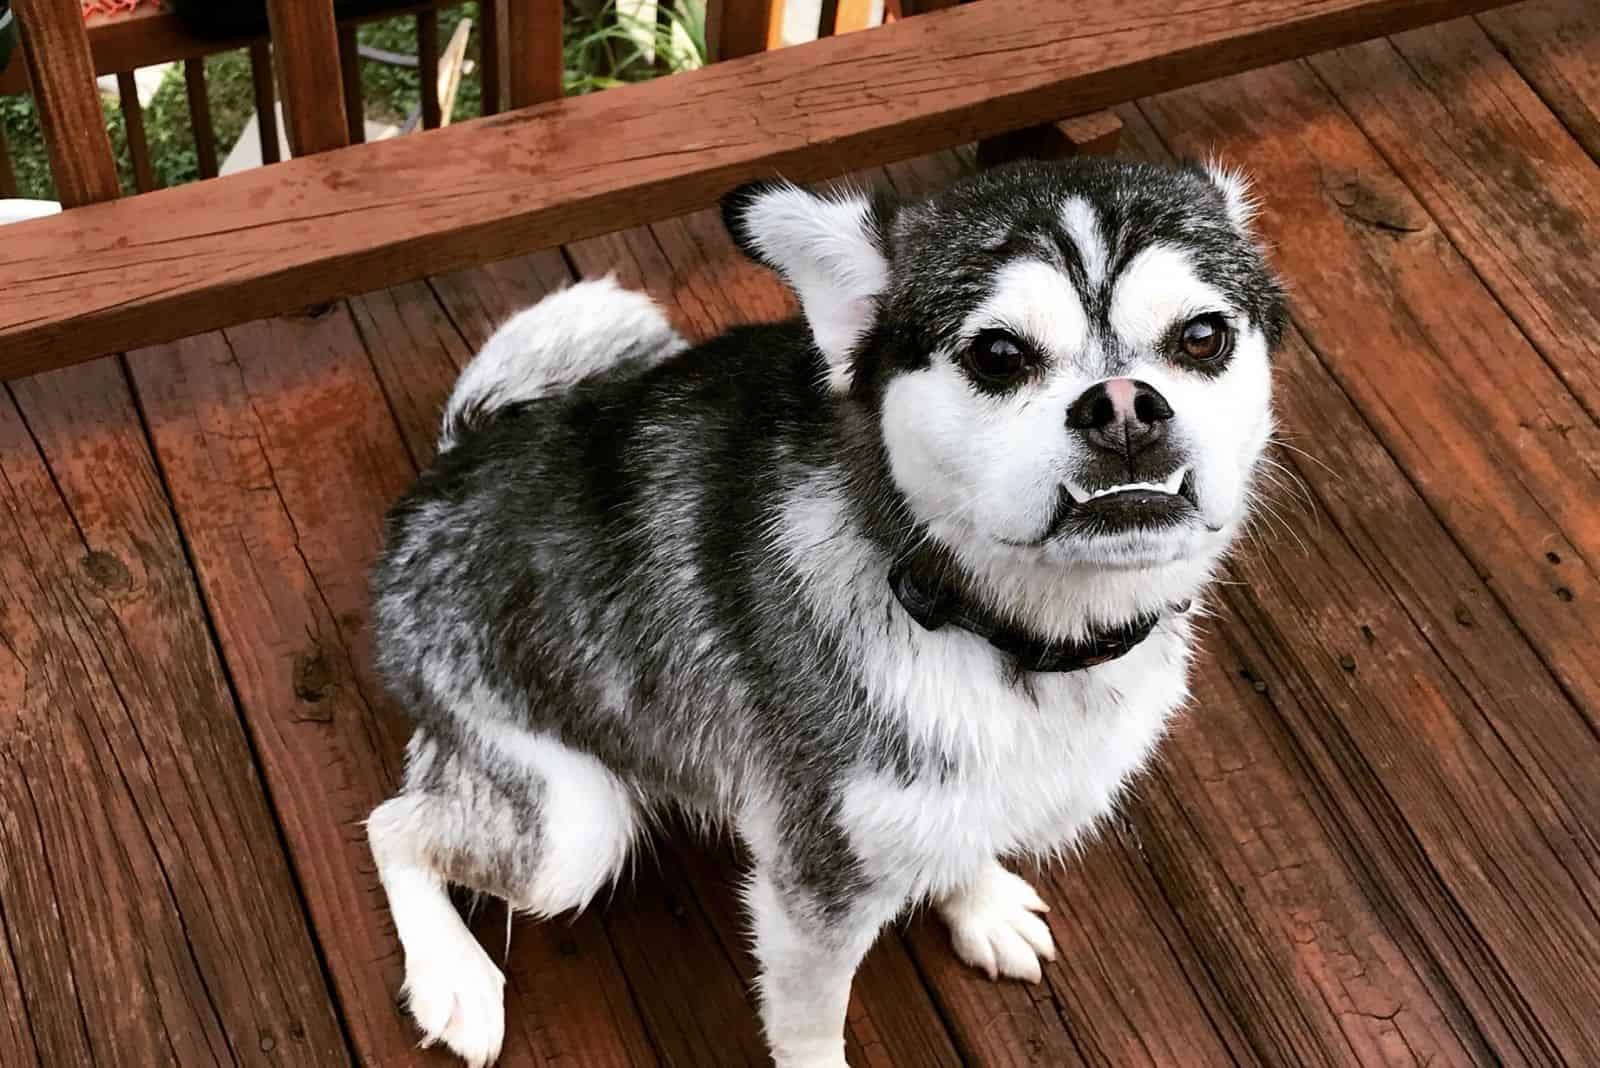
(531, 821)
(994, 925)
(808, 955)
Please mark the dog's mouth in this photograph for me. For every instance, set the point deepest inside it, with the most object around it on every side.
(1123, 508)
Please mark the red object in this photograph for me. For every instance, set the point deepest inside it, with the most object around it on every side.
(109, 7)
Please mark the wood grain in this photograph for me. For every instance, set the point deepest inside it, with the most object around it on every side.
(1553, 45)
(61, 74)
(1404, 327)
(281, 456)
(1507, 183)
(150, 912)
(310, 81)
(533, 50)
(259, 242)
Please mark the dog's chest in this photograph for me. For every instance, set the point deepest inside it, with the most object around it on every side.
(1006, 766)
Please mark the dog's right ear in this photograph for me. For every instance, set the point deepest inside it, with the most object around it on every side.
(830, 248)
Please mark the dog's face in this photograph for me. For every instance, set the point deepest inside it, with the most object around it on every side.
(1068, 360)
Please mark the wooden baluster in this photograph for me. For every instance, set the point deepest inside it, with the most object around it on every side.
(306, 45)
(533, 50)
(489, 15)
(737, 28)
(56, 48)
(205, 138)
(428, 66)
(8, 177)
(133, 120)
(844, 16)
(266, 100)
(350, 73)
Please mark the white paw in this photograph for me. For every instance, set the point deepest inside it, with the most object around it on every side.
(994, 928)
(457, 996)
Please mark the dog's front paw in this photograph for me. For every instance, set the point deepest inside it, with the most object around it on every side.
(457, 997)
(994, 928)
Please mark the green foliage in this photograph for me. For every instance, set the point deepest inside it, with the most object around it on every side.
(601, 48)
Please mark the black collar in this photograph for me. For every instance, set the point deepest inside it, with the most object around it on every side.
(924, 590)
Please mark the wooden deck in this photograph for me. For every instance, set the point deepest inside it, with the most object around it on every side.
(1375, 838)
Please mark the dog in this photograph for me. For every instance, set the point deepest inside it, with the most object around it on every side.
(895, 590)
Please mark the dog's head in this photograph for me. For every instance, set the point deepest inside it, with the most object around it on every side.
(1066, 360)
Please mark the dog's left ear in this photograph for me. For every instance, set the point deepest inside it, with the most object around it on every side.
(830, 248)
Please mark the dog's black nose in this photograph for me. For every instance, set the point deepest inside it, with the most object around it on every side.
(1121, 416)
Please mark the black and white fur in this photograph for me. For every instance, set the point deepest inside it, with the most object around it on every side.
(642, 575)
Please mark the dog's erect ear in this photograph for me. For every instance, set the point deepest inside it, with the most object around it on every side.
(829, 247)
(1234, 185)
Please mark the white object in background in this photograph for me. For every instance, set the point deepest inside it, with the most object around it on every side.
(22, 210)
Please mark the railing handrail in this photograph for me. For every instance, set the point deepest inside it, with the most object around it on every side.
(169, 264)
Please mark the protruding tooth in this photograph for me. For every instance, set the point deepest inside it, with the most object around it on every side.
(1174, 481)
(1077, 492)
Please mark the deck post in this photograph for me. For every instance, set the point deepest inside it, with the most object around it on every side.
(305, 42)
(56, 47)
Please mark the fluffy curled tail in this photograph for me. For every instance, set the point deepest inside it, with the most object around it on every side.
(571, 335)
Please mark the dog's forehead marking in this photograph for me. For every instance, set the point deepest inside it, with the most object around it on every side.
(1081, 225)
(1158, 287)
(1038, 301)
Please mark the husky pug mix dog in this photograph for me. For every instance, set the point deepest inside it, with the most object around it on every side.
(895, 591)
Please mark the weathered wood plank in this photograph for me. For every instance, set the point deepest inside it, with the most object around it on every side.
(1553, 45)
(305, 43)
(61, 74)
(281, 456)
(1472, 412)
(148, 907)
(1486, 832)
(260, 242)
(1503, 178)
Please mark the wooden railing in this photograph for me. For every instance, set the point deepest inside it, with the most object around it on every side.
(340, 220)
(150, 35)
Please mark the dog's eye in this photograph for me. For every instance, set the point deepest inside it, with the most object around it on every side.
(997, 358)
(1206, 338)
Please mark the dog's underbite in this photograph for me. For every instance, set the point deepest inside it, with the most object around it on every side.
(894, 591)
